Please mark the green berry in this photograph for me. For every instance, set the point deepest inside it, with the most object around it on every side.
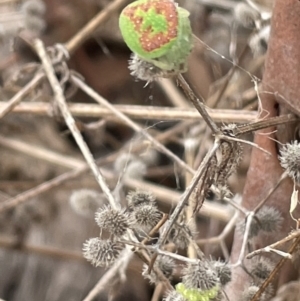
(194, 294)
(159, 32)
(149, 28)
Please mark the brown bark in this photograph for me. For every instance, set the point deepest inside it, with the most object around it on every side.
(283, 61)
(281, 78)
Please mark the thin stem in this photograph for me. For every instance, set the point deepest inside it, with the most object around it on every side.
(110, 275)
(219, 4)
(165, 195)
(158, 292)
(270, 192)
(190, 148)
(89, 29)
(136, 112)
(245, 239)
(261, 124)
(155, 229)
(199, 104)
(36, 151)
(229, 138)
(293, 235)
(8, 243)
(185, 197)
(157, 113)
(17, 98)
(131, 124)
(60, 99)
(174, 255)
(68, 176)
(220, 239)
(171, 91)
(275, 271)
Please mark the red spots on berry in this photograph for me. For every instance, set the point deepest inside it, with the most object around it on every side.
(151, 41)
(137, 21)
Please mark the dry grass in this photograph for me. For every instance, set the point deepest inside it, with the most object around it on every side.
(60, 133)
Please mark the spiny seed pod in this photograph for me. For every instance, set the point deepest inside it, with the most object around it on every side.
(250, 292)
(200, 275)
(116, 222)
(290, 160)
(131, 166)
(165, 263)
(270, 221)
(246, 15)
(34, 7)
(193, 294)
(35, 24)
(259, 42)
(150, 156)
(261, 268)
(122, 161)
(223, 271)
(263, 6)
(146, 216)
(179, 235)
(101, 253)
(159, 32)
(86, 201)
(139, 197)
(136, 170)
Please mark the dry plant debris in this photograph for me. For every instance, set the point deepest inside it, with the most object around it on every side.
(165, 197)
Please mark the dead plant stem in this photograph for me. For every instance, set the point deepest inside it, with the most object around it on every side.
(245, 239)
(110, 275)
(140, 112)
(166, 196)
(221, 238)
(265, 123)
(17, 98)
(177, 99)
(275, 271)
(157, 292)
(61, 179)
(86, 32)
(70, 122)
(291, 236)
(186, 195)
(270, 192)
(8, 243)
(160, 147)
(190, 149)
(198, 104)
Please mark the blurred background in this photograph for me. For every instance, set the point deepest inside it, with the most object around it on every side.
(41, 239)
